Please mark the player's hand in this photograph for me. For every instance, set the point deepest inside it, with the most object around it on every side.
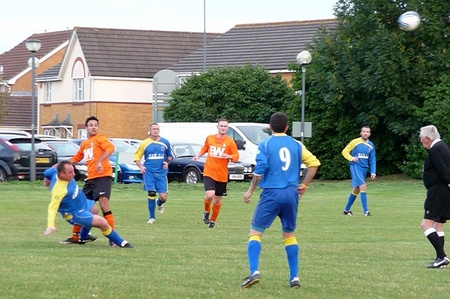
(49, 230)
(301, 189)
(142, 169)
(46, 182)
(373, 176)
(247, 196)
(99, 168)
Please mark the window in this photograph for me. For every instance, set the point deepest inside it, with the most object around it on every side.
(48, 92)
(78, 89)
(82, 133)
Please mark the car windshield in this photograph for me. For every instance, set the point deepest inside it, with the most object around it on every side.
(255, 134)
(64, 149)
(123, 147)
(186, 149)
(27, 146)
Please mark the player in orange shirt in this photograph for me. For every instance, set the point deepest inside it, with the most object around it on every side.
(96, 150)
(221, 149)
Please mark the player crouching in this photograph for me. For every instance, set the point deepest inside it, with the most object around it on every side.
(74, 207)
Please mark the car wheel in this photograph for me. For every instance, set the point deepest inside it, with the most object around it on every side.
(191, 176)
(3, 176)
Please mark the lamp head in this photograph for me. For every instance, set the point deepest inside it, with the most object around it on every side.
(37, 62)
(33, 45)
(304, 57)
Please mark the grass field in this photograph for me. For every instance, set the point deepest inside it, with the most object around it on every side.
(383, 256)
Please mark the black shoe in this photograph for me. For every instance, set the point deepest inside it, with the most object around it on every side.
(90, 238)
(125, 244)
(206, 217)
(439, 263)
(81, 242)
(68, 241)
(112, 244)
(295, 283)
(367, 214)
(211, 224)
(348, 213)
(249, 281)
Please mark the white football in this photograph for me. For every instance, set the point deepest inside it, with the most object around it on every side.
(409, 21)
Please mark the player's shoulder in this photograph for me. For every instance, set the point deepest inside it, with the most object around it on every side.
(164, 140)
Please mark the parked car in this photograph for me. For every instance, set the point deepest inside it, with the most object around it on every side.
(15, 156)
(14, 132)
(66, 149)
(133, 142)
(128, 171)
(184, 169)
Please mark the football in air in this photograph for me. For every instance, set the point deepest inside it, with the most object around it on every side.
(409, 21)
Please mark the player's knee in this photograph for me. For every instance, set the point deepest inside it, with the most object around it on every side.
(152, 195)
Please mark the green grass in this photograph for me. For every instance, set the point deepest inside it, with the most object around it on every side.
(383, 256)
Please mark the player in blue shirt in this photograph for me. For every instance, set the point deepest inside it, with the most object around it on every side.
(277, 172)
(157, 157)
(74, 207)
(360, 153)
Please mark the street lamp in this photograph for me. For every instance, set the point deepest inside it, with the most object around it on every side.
(304, 58)
(33, 45)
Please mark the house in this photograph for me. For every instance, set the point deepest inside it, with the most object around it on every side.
(108, 73)
(271, 45)
(16, 75)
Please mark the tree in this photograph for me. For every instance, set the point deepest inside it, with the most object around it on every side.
(368, 72)
(240, 94)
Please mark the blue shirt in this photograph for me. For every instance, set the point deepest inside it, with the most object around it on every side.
(67, 198)
(278, 161)
(364, 151)
(155, 154)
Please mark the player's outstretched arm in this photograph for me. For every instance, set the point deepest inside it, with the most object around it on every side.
(49, 230)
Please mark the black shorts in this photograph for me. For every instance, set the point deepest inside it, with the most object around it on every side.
(219, 187)
(94, 188)
(437, 203)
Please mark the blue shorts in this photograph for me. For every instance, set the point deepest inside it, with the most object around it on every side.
(82, 217)
(358, 174)
(277, 202)
(156, 181)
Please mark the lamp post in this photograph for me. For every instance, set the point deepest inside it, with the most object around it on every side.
(33, 45)
(304, 58)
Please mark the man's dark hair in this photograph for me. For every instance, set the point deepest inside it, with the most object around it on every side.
(91, 118)
(222, 119)
(62, 166)
(278, 122)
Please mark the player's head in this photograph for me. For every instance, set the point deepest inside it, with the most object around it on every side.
(91, 124)
(427, 135)
(222, 126)
(365, 132)
(65, 170)
(153, 131)
(279, 122)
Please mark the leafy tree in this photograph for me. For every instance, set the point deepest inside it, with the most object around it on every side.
(240, 94)
(368, 72)
(436, 111)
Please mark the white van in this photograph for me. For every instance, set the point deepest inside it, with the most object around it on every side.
(246, 135)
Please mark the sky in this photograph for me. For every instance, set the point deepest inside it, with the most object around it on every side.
(25, 17)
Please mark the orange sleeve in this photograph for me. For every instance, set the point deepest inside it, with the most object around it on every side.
(234, 152)
(79, 155)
